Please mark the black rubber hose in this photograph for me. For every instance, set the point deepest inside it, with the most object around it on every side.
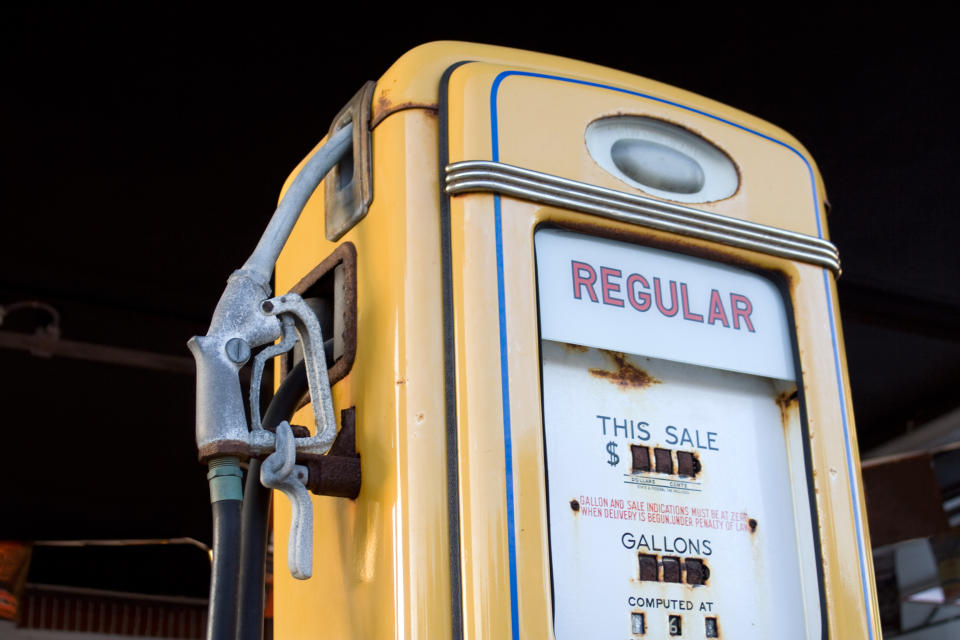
(256, 509)
(253, 555)
(225, 497)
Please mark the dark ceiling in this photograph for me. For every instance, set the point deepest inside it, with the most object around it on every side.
(143, 155)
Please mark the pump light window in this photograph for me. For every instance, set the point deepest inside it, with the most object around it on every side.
(677, 480)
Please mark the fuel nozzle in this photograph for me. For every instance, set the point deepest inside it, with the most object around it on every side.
(245, 320)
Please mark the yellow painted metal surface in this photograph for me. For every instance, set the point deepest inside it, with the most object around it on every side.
(413, 79)
(382, 561)
(775, 183)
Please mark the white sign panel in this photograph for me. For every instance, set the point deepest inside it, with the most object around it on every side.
(671, 498)
(614, 295)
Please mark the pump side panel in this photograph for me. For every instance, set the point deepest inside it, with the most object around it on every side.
(381, 562)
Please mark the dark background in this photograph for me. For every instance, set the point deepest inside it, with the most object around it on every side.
(143, 153)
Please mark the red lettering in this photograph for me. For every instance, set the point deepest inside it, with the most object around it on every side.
(584, 277)
(695, 317)
(738, 311)
(608, 287)
(580, 280)
(717, 312)
(639, 300)
(658, 296)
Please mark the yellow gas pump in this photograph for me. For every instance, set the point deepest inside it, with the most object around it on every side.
(586, 327)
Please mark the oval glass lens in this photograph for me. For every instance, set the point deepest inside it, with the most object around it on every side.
(657, 165)
(662, 159)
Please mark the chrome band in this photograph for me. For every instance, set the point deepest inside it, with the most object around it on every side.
(485, 176)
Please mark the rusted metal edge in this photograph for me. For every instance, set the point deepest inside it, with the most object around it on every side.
(345, 206)
(494, 177)
(336, 473)
(381, 112)
(346, 254)
(236, 448)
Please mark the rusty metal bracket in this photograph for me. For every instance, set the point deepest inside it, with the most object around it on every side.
(348, 191)
(345, 255)
(338, 472)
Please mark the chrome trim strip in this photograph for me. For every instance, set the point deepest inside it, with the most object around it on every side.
(494, 177)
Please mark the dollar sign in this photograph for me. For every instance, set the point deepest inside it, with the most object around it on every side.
(612, 450)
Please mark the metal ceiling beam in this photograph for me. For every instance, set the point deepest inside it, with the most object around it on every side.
(46, 347)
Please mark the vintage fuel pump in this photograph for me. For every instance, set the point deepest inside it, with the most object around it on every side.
(584, 348)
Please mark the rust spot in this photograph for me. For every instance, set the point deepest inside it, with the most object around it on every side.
(688, 464)
(401, 381)
(625, 375)
(697, 571)
(641, 458)
(385, 106)
(575, 504)
(663, 460)
(784, 400)
(671, 569)
(338, 472)
(648, 567)
(237, 448)
(752, 524)
(576, 347)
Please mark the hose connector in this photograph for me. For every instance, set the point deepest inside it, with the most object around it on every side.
(226, 479)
